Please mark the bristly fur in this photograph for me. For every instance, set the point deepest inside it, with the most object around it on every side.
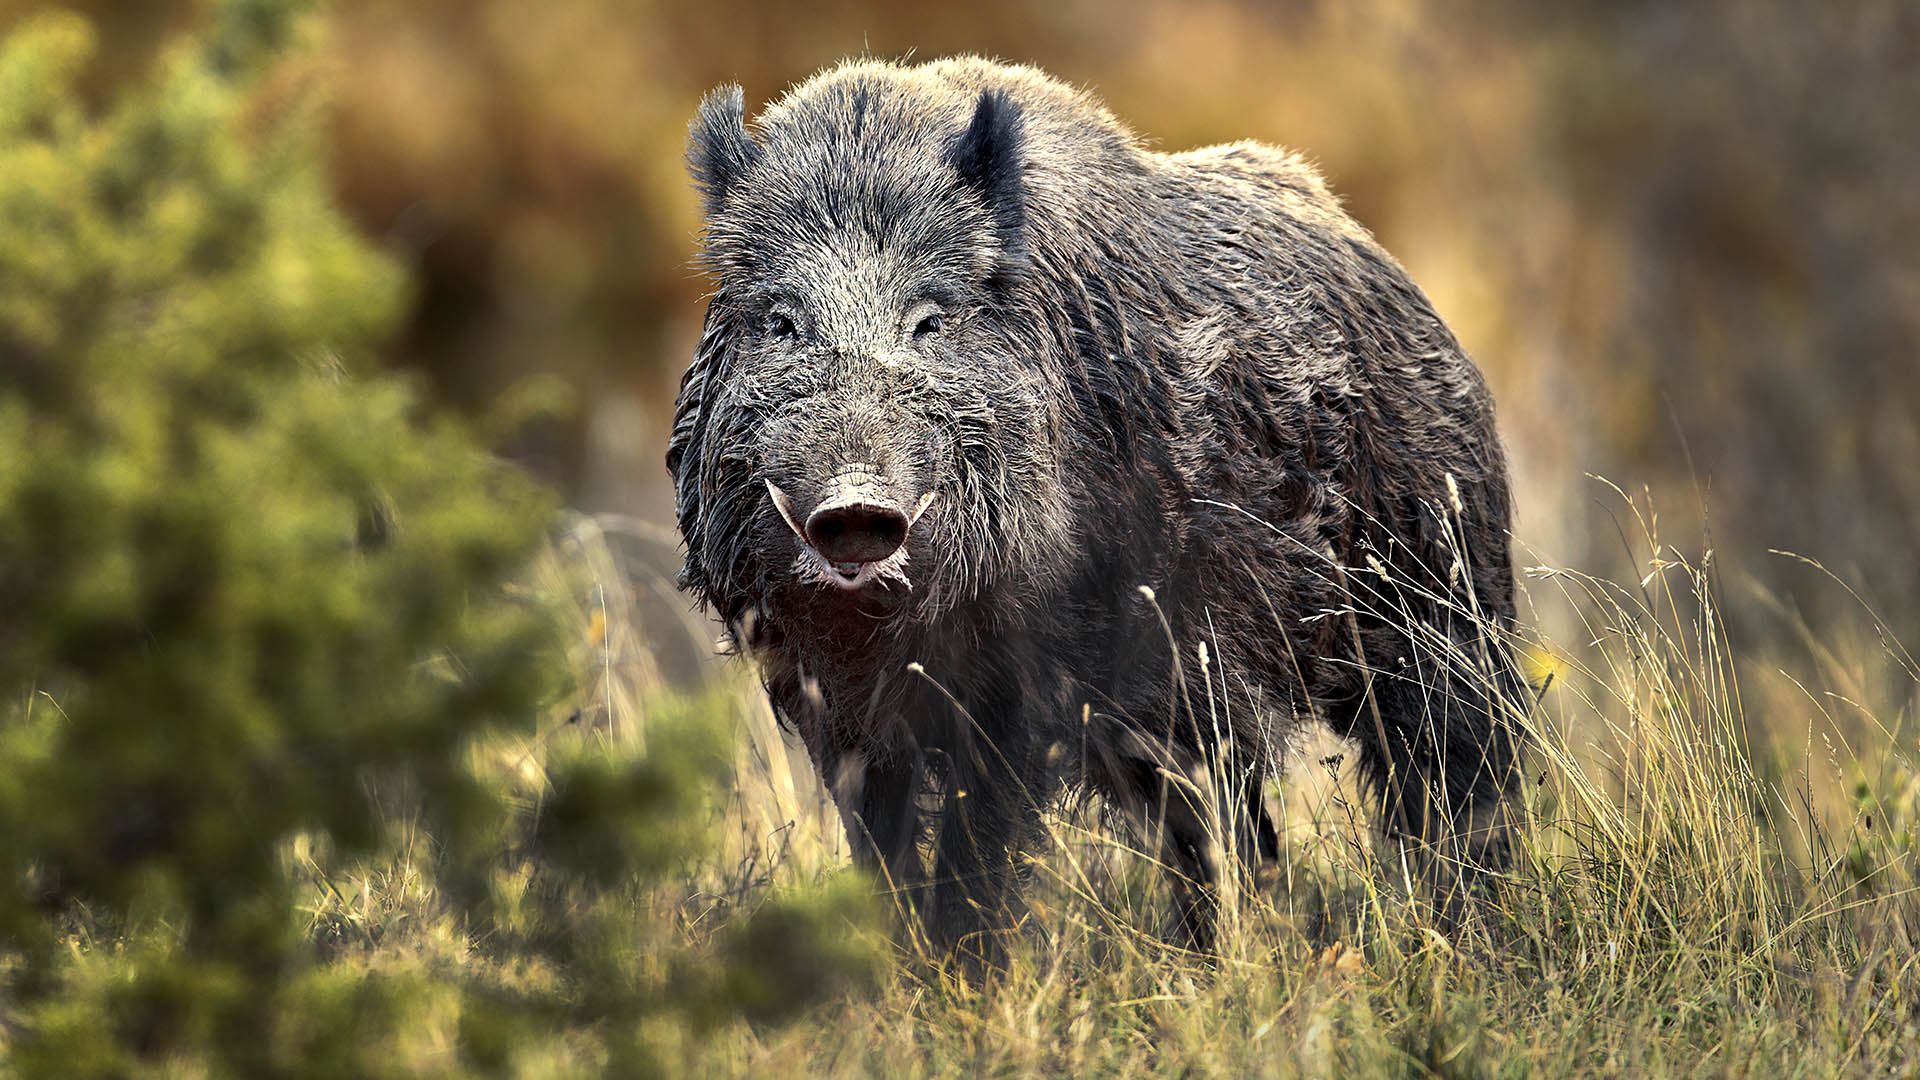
(987, 157)
(720, 151)
(1115, 368)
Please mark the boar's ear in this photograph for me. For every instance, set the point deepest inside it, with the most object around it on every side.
(987, 158)
(719, 150)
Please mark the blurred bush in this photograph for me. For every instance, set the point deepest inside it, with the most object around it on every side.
(260, 636)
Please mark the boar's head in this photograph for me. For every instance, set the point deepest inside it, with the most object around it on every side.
(868, 425)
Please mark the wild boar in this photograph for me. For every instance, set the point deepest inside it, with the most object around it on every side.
(977, 368)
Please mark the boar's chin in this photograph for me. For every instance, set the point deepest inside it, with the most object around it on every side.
(812, 568)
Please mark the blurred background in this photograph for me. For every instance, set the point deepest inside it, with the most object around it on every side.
(1683, 241)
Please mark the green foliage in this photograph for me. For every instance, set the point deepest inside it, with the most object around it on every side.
(259, 631)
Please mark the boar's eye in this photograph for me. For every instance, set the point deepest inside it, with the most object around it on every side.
(781, 326)
(932, 324)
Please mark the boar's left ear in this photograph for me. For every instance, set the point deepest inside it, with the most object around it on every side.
(987, 157)
(719, 150)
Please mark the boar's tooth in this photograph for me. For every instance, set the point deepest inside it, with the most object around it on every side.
(785, 505)
(921, 508)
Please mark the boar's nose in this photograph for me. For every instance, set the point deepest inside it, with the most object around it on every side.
(855, 523)
(863, 531)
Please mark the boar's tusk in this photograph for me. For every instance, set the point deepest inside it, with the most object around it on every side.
(925, 501)
(785, 505)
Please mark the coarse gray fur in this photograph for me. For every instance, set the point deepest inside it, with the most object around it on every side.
(1108, 367)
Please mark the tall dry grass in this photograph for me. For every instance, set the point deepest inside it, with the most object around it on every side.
(1716, 871)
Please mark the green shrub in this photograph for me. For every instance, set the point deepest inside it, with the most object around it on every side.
(257, 624)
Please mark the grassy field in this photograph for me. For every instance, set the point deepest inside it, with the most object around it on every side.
(1717, 877)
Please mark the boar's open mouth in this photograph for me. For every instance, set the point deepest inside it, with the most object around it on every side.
(855, 536)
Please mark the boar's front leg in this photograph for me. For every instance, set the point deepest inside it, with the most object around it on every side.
(975, 899)
(879, 803)
(994, 785)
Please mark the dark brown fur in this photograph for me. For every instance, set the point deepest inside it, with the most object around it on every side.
(1191, 372)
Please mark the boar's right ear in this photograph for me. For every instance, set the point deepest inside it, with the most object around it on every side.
(987, 157)
(719, 150)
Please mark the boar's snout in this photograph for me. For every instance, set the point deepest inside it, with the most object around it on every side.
(857, 521)
(857, 532)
